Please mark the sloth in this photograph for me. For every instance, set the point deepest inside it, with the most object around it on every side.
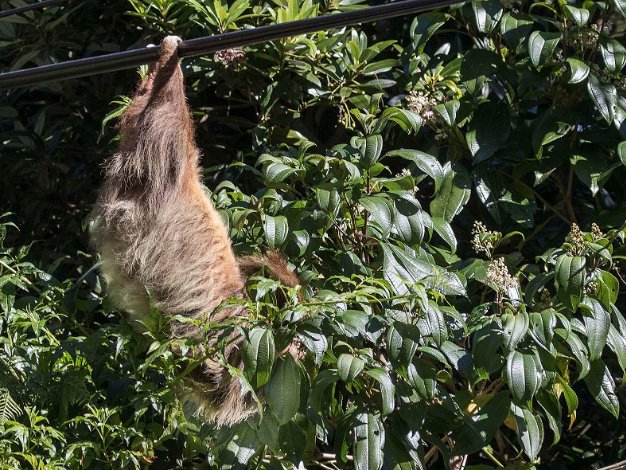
(162, 242)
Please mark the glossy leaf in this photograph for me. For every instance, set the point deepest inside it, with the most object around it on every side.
(282, 392)
(522, 375)
(541, 46)
(529, 429)
(258, 356)
(349, 366)
(570, 278)
(369, 436)
(602, 387)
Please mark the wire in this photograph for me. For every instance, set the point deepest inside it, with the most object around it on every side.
(32, 6)
(204, 45)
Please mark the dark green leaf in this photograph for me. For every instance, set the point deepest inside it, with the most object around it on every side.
(570, 279)
(369, 435)
(479, 429)
(381, 211)
(602, 387)
(387, 389)
(529, 430)
(282, 392)
(486, 15)
(578, 70)
(604, 95)
(258, 356)
(349, 366)
(580, 16)
(515, 27)
(597, 323)
(426, 163)
(541, 46)
(489, 129)
(522, 375)
(276, 230)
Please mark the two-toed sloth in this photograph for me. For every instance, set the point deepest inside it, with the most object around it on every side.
(158, 233)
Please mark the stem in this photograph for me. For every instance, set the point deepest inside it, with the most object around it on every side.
(492, 457)
(568, 195)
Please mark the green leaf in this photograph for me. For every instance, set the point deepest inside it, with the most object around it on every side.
(489, 129)
(578, 70)
(621, 151)
(592, 170)
(552, 409)
(370, 149)
(571, 399)
(282, 392)
(529, 429)
(613, 55)
(387, 389)
(486, 344)
(425, 162)
(602, 387)
(407, 120)
(570, 279)
(514, 329)
(452, 195)
(402, 269)
(597, 322)
(541, 46)
(542, 326)
(579, 15)
(607, 288)
(444, 230)
(579, 350)
(240, 448)
(401, 343)
(515, 28)
(369, 435)
(432, 324)
(479, 429)
(324, 379)
(424, 26)
(617, 343)
(604, 95)
(423, 378)
(489, 189)
(276, 230)
(486, 15)
(381, 211)
(277, 172)
(328, 198)
(349, 366)
(480, 64)
(459, 358)
(448, 111)
(522, 375)
(379, 67)
(258, 356)
(409, 222)
(9, 409)
(620, 5)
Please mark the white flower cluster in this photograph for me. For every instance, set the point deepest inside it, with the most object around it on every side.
(422, 104)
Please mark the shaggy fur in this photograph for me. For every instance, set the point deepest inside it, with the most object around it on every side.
(157, 231)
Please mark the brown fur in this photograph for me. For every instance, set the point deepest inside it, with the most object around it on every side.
(158, 232)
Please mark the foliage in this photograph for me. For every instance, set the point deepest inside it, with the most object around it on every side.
(427, 178)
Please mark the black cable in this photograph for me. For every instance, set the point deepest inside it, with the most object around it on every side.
(204, 45)
(32, 6)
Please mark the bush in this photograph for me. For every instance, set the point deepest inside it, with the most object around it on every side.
(428, 178)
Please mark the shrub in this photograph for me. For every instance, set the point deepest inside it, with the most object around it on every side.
(427, 177)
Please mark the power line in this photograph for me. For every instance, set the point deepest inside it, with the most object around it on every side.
(204, 45)
(32, 6)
